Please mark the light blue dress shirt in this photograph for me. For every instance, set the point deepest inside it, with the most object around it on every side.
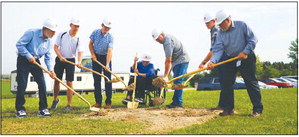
(101, 42)
(31, 44)
(239, 38)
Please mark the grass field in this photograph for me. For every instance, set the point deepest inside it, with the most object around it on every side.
(280, 115)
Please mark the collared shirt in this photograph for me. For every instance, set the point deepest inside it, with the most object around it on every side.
(31, 44)
(174, 48)
(239, 38)
(148, 70)
(213, 33)
(101, 42)
(68, 45)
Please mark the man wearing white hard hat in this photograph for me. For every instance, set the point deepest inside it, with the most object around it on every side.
(236, 39)
(66, 46)
(177, 60)
(210, 22)
(145, 72)
(101, 47)
(34, 44)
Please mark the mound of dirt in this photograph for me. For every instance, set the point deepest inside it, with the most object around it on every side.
(158, 120)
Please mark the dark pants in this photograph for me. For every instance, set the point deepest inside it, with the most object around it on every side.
(23, 69)
(220, 75)
(97, 80)
(142, 84)
(247, 70)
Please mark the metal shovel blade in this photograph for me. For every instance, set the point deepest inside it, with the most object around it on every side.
(178, 86)
(158, 101)
(132, 104)
(94, 109)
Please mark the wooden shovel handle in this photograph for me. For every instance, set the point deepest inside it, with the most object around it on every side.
(194, 72)
(89, 70)
(111, 73)
(65, 85)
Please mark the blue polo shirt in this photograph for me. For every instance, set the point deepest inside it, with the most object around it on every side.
(101, 42)
(32, 45)
(239, 38)
(148, 70)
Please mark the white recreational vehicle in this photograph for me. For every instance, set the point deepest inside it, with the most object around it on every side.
(83, 82)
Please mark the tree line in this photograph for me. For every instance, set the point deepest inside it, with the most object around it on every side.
(265, 69)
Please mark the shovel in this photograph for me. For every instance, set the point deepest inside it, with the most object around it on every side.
(89, 105)
(116, 79)
(133, 104)
(159, 100)
(160, 82)
(89, 70)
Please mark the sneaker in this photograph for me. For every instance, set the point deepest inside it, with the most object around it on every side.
(54, 104)
(21, 114)
(140, 100)
(256, 114)
(44, 113)
(68, 108)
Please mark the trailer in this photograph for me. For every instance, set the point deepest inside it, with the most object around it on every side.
(83, 82)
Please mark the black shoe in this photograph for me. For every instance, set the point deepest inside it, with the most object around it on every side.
(44, 113)
(68, 108)
(227, 113)
(173, 106)
(21, 114)
(256, 114)
(54, 104)
(216, 108)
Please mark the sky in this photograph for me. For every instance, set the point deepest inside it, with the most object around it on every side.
(274, 24)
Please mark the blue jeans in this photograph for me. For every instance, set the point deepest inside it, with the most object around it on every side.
(23, 69)
(178, 70)
(97, 80)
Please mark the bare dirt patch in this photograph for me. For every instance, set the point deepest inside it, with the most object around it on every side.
(158, 120)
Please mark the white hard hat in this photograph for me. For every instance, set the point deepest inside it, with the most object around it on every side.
(107, 22)
(50, 24)
(75, 21)
(208, 17)
(146, 57)
(156, 33)
(221, 16)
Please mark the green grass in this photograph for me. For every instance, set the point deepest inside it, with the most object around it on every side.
(5, 89)
(279, 116)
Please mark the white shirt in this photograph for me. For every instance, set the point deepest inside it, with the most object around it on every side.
(67, 45)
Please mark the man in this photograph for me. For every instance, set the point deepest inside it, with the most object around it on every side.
(100, 46)
(176, 59)
(236, 39)
(210, 23)
(67, 44)
(145, 71)
(31, 47)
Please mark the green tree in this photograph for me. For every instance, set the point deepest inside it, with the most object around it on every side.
(259, 68)
(294, 51)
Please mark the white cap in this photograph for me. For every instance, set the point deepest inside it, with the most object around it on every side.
(146, 57)
(50, 24)
(156, 33)
(221, 16)
(208, 17)
(75, 21)
(107, 22)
